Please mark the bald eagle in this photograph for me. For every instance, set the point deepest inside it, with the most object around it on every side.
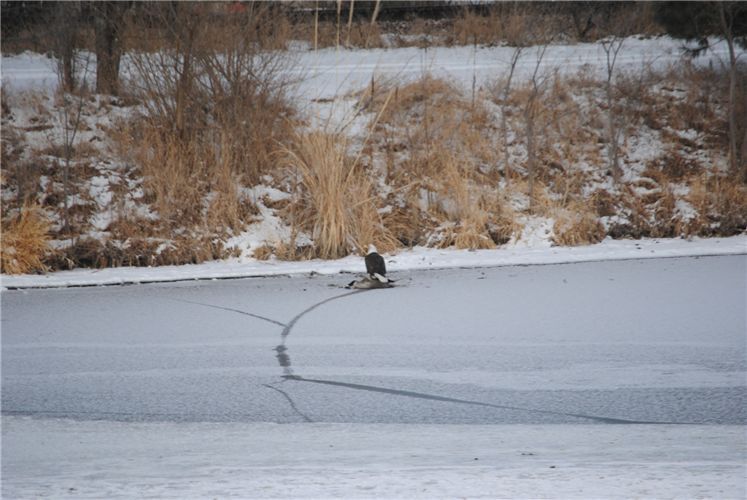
(375, 266)
(376, 269)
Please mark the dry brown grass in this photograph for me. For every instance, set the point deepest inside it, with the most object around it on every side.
(426, 116)
(190, 183)
(451, 204)
(450, 166)
(466, 208)
(193, 192)
(721, 204)
(263, 252)
(174, 177)
(604, 203)
(340, 209)
(25, 241)
(407, 223)
(513, 23)
(406, 97)
(577, 224)
(470, 28)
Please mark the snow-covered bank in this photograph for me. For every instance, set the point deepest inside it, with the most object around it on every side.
(110, 196)
(417, 258)
(55, 458)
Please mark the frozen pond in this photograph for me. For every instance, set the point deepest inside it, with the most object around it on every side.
(654, 341)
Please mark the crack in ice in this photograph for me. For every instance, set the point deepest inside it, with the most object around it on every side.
(288, 375)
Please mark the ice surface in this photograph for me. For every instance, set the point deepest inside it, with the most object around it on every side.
(168, 389)
(68, 459)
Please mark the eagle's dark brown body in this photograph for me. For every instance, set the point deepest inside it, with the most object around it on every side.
(375, 265)
(376, 269)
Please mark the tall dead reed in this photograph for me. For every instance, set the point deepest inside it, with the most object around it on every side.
(340, 208)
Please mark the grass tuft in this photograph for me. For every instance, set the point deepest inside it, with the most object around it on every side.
(577, 225)
(25, 239)
(340, 207)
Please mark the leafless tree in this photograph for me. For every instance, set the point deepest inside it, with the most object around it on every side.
(107, 23)
(64, 31)
(204, 90)
(537, 85)
(727, 14)
(165, 79)
(611, 47)
(70, 116)
(505, 92)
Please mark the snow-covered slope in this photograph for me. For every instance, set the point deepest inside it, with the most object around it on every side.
(325, 95)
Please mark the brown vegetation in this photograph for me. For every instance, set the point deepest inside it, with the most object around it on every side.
(25, 241)
(339, 206)
(438, 166)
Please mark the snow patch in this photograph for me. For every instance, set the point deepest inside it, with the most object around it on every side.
(517, 253)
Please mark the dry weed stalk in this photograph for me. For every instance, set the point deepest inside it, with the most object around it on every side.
(25, 241)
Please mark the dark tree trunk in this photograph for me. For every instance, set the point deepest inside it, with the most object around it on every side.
(67, 59)
(107, 20)
(64, 31)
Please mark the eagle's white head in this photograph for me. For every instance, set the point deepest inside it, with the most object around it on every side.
(372, 248)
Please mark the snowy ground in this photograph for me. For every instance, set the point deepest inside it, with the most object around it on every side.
(526, 253)
(203, 460)
(510, 382)
(331, 73)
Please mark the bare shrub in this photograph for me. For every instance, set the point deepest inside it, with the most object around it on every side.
(666, 222)
(502, 223)
(232, 100)
(214, 113)
(635, 212)
(673, 165)
(535, 89)
(25, 241)
(590, 21)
